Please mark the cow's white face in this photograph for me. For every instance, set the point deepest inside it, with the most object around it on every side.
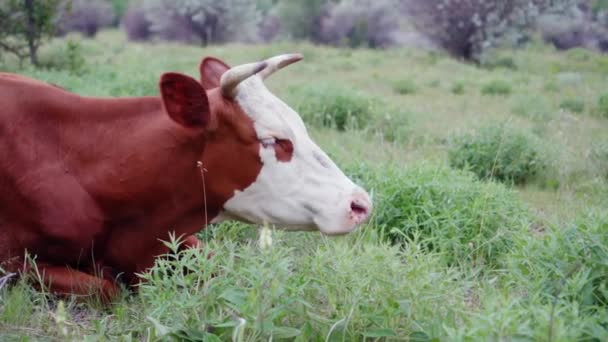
(299, 187)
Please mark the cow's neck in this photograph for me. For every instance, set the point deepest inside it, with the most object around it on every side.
(140, 158)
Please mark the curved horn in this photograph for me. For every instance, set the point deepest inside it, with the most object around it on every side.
(231, 78)
(279, 62)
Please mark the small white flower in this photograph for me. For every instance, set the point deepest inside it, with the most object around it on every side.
(265, 237)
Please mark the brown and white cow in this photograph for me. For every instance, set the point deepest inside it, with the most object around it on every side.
(90, 185)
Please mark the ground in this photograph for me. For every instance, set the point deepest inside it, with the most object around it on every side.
(545, 283)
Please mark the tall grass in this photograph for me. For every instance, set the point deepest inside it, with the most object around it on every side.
(446, 256)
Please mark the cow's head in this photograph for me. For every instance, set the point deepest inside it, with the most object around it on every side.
(261, 166)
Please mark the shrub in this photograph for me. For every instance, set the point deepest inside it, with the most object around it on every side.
(577, 27)
(458, 88)
(450, 211)
(500, 152)
(393, 126)
(602, 105)
(202, 21)
(355, 23)
(571, 263)
(333, 106)
(496, 88)
(505, 62)
(467, 28)
(404, 87)
(136, 25)
(302, 19)
(302, 289)
(573, 105)
(24, 25)
(85, 16)
(535, 108)
(68, 56)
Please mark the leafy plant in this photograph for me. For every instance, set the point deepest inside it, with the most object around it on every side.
(25, 24)
(451, 212)
(573, 105)
(496, 87)
(602, 105)
(499, 151)
(404, 87)
(333, 106)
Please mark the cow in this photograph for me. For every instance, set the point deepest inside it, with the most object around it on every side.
(90, 186)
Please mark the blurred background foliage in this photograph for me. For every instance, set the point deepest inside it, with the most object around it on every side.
(467, 29)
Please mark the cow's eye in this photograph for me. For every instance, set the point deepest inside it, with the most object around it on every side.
(268, 142)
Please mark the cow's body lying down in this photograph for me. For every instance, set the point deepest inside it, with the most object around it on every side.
(89, 185)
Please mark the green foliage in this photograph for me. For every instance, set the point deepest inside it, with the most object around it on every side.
(569, 266)
(451, 212)
(506, 62)
(203, 21)
(305, 288)
(67, 57)
(301, 19)
(404, 87)
(602, 105)
(510, 262)
(481, 24)
(599, 158)
(573, 105)
(24, 25)
(331, 105)
(458, 88)
(496, 87)
(499, 151)
(120, 7)
(532, 107)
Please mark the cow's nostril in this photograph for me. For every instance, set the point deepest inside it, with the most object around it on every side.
(358, 208)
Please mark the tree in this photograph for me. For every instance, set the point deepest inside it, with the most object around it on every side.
(24, 25)
(466, 28)
(204, 21)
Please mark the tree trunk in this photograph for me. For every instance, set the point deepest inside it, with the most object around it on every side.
(31, 31)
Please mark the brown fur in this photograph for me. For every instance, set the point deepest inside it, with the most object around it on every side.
(94, 183)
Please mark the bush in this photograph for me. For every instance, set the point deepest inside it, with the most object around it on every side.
(577, 27)
(24, 25)
(393, 126)
(458, 88)
(300, 289)
(354, 23)
(136, 25)
(496, 88)
(404, 87)
(571, 263)
(203, 21)
(448, 210)
(467, 28)
(535, 108)
(68, 56)
(572, 105)
(302, 19)
(85, 16)
(500, 152)
(330, 105)
(602, 105)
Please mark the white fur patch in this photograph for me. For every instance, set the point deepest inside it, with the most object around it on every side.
(309, 191)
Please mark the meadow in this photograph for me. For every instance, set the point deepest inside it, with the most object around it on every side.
(489, 185)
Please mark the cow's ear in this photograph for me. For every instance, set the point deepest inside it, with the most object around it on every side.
(185, 100)
(211, 70)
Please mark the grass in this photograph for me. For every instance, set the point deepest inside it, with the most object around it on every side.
(446, 256)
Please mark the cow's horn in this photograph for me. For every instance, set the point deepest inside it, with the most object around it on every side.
(231, 78)
(279, 62)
